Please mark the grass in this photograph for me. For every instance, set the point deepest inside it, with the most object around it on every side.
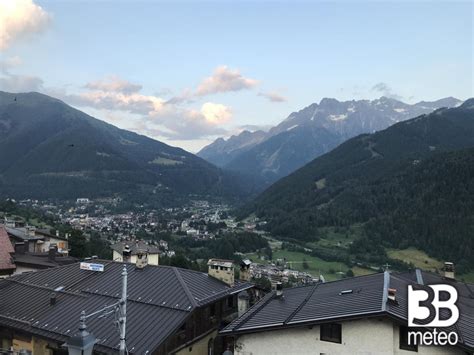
(165, 161)
(333, 237)
(417, 257)
(316, 266)
(360, 271)
(340, 239)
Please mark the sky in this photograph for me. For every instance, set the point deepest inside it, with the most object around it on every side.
(187, 72)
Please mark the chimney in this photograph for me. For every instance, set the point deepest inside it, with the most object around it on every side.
(57, 233)
(52, 253)
(126, 254)
(222, 270)
(20, 248)
(243, 302)
(279, 289)
(392, 293)
(449, 271)
(31, 230)
(142, 259)
(245, 270)
(52, 299)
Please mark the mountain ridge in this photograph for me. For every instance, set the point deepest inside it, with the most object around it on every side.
(42, 140)
(398, 183)
(331, 123)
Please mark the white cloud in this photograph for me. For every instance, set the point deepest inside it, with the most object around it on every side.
(187, 96)
(225, 79)
(9, 63)
(114, 84)
(20, 19)
(216, 113)
(17, 83)
(20, 83)
(386, 90)
(151, 114)
(133, 103)
(273, 96)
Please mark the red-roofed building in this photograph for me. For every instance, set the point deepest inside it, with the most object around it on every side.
(7, 266)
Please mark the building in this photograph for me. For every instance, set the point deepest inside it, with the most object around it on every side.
(169, 310)
(245, 273)
(359, 315)
(7, 265)
(222, 270)
(26, 261)
(127, 251)
(35, 240)
(16, 257)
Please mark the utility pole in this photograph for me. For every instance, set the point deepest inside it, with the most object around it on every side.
(123, 313)
(83, 343)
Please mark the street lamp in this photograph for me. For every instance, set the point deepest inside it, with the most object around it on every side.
(83, 344)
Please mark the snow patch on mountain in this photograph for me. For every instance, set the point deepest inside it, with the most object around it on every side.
(338, 117)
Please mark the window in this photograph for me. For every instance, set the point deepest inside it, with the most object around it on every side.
(182, 329)
(210, 347)
(230, 302)
(331, 332)
(404, 339)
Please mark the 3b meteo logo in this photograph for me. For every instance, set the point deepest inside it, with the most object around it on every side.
(431, 307)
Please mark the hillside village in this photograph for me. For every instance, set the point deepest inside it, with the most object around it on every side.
(236, 177)
(201, 221)
(221, 311)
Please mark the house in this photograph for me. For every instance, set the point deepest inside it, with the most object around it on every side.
(128, 250)
(169, 310)
(16, 257)
(35, 240)
(26, 261)
(7, 265)
(359, 315)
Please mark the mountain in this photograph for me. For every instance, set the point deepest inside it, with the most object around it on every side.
(411, 184)
(49, 149)
(221, 151)
(311, 132)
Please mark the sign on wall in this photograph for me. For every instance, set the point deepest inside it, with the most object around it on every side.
(92, 267)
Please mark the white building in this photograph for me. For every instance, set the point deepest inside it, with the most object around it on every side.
(127, 251)
(360, 315)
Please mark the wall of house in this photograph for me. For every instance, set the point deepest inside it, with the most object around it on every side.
(200, 347)
(49, 241)
(117, 256)
(153, 259)
(221, 273)
(34, 345)
(368, 336)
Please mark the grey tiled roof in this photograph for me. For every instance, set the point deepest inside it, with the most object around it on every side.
(22, 235)
(42, 260)
(157, 295)
(350, 298)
